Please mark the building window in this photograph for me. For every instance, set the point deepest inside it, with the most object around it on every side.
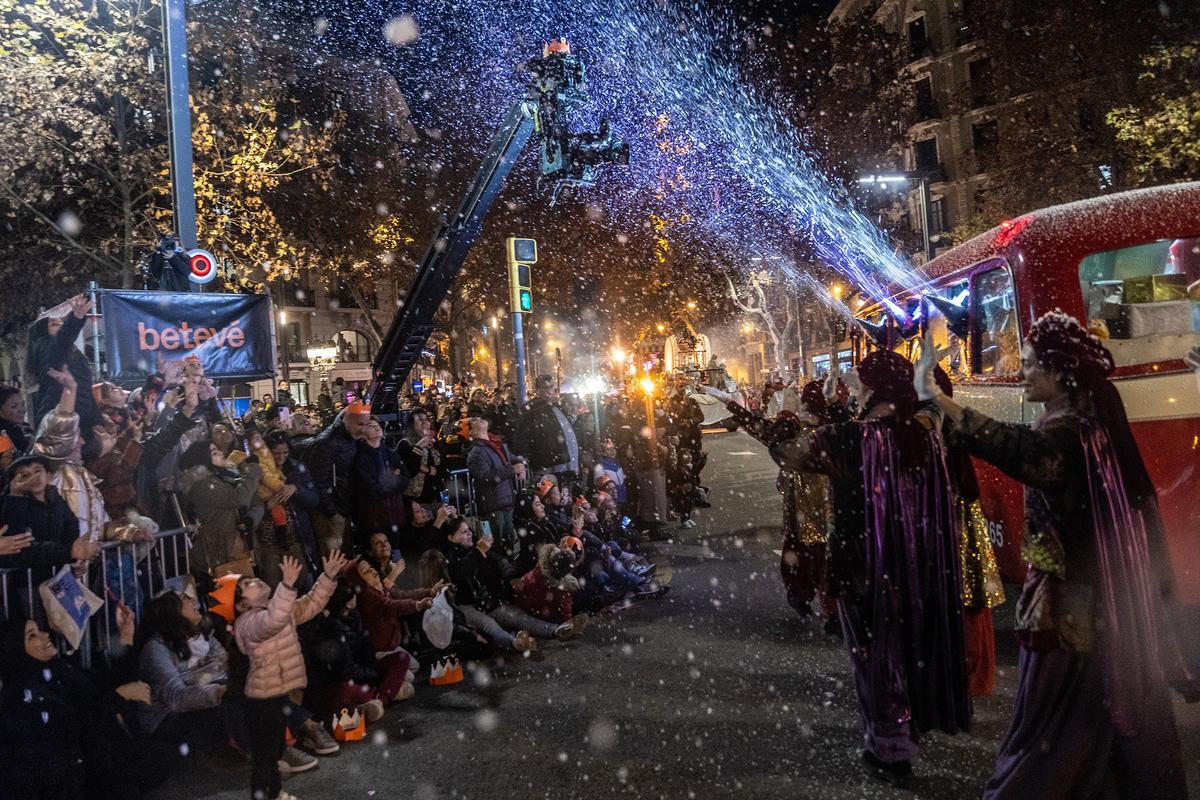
(345, 297)
(926, 104)
(937, 216)
(296, 292)
(295, 344)
(982, 86)
(985, 137)
(918, 38)
(353, 346)
(925, 154)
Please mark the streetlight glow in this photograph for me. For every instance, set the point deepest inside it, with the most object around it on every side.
(618, 355)
(647, 384)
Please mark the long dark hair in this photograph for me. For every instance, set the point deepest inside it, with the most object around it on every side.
(198, 454)
(163, 615)
(37, 331)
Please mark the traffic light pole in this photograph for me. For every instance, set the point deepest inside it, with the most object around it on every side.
(519, 356)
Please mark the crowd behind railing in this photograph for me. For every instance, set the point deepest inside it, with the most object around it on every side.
(175, 578)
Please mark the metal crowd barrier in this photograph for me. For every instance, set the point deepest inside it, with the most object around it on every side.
(127, 572)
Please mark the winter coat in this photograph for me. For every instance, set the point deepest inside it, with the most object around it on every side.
(155, 449)
(492, 476)
(422, 487)
(179, 685)
(171, 274)
(57, 437)
(54, 529)
(62, 736)
(300, 508)
(51, 352)
(413, 541)
(115, 472)
(545, 437)
(481, 580)
(383, 610)
(220, 501)
(330, 458)
(268, 638)
(532, 533)
(551, 601)
(338, 650)
(378, 490)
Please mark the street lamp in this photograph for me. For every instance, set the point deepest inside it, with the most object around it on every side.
(691, 305)
(887, 181)
(660, 328)
(647, 384)
(322, 358)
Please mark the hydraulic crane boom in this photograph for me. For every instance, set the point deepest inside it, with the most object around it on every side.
(554, 88)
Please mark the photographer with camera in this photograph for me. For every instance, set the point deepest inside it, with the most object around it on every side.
(169, 268)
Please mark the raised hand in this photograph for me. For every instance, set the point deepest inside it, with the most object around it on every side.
(80, 305)
(63, 377)
(289, 569)
(923, 371)
(334, 563)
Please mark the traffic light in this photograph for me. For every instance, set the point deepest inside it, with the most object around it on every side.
(522, 255)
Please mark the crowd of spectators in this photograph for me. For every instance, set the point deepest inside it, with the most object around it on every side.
(335, 558)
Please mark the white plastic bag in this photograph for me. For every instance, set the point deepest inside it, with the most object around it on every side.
(69, 605)
(438, 622)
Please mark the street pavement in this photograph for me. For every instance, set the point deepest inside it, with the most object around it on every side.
(716, 690)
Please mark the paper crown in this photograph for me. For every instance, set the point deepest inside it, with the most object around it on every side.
(6, 444)
(349, 726)
(446, 672)
(571, 543)
(359, 407)
(220, 599)
(544, 486)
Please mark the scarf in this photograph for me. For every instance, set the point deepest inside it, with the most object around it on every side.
(494, 442)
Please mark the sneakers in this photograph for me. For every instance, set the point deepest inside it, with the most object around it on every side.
(372, 710)
(644, 570)
(316, 739)
(575, 627)
(524, 643)
(407, 690)
(686, 523)
(295, 760)
(653, 590)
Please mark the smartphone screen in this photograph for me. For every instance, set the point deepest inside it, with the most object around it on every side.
(445, 498)
(285, 416)
(485, 530)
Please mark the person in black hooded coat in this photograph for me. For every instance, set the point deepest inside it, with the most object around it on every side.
(63, 735)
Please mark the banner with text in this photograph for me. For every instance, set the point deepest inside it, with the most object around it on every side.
(231, 334)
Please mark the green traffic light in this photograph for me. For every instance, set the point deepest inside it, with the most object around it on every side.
(526, 299)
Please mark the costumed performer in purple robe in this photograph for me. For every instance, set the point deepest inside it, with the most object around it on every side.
(1093, 715)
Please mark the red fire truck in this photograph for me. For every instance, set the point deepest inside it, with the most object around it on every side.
(1121, 264)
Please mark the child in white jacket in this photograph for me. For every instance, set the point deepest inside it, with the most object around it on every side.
(265, 630)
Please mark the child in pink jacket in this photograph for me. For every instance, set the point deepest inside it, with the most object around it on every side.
(265, 630)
